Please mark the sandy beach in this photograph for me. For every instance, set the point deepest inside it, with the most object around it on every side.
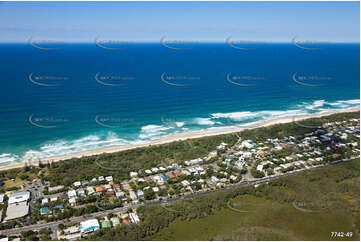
(178, 137)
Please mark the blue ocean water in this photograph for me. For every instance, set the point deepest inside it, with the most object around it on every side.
(80, 97)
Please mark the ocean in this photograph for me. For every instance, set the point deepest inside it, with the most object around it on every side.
(78, 97)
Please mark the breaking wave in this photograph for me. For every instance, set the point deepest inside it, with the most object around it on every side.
(150, 132)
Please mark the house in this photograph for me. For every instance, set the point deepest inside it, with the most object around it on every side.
(99, 189)
(285, 166)
(335, 156)
(53, 199)
(164, 177)
(140, 194)
(81, 192)
(185, 183)
(246, 144)
(232, 177)
(259, 167)
(155, 169)
(133, 174)
(110, 193)
(162, 168)
(116, 186)
(105, 223)
(72, 194)
(109, 178)
(2, 196)
(193, 162)
(59, 206)
(212, 154)
(84, 183)
(178, 173)
(157, 179)
(134, 218)
(77, 184)
(119, 194)
(132, 195)
(90, 190)
(324, 138)
(126, 221)
(72, 201)
(115, 221)
(214, 179)
(101, 178)
(155, 189)
(344, 136)
(170, 175)
(44, 201)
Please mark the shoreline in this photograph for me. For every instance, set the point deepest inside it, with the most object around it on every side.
(178, 137)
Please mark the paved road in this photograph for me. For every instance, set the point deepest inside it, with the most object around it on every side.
(53, 225)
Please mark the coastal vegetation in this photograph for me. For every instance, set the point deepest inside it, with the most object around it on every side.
(306, 206)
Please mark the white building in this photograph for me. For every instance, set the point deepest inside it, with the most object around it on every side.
(18, 197)
(134, 218)
(44, 201)
(72, 194)
(89, 226)
(132, 195)
(133, 174)
(90, 190)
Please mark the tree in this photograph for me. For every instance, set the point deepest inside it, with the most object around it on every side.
(149, 194)
(256, 173)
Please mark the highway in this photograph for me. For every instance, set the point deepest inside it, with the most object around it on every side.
(53, 225)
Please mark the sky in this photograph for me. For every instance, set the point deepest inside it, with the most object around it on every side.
(188, 21)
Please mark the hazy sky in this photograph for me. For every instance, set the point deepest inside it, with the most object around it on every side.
(198, 21)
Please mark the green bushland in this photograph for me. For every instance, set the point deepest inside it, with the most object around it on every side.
(332, 191)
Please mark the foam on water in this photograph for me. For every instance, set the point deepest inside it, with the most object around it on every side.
(150, 132)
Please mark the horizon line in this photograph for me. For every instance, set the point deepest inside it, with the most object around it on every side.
(190, 42)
